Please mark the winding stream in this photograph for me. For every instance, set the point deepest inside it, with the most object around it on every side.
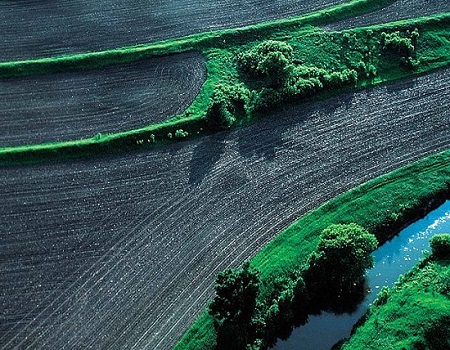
(394, 258)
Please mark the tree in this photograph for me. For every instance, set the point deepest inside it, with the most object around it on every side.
(234, 305)
(342, 256)
(270, 58)
(228, 104)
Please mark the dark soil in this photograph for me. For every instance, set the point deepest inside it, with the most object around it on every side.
(401, 9)
(38, 28)
(67, 106)
(122, 252)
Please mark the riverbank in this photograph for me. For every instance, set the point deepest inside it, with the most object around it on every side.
(392, 260)
(383, 206)
(414, 314)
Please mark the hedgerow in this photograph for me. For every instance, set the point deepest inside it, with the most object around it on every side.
(307, 63)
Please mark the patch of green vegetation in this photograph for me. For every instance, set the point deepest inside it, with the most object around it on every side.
(415, 313)
(237, 92)
(335, 270)
(382, 206)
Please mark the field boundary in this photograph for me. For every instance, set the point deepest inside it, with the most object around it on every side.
(198, 42)
(192, 122)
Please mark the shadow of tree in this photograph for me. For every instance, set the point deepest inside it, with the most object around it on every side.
(206, 153)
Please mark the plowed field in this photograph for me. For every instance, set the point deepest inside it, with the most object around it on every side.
(38, 28)
(121, 252)
(67, 106)
(401, 9)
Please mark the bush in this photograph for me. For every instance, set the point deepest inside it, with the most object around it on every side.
(342, 256)
(437, 335)
(440, 246)
(180, 134)
(403, 44)
(395, 42)
(270, 58)
(229, 103)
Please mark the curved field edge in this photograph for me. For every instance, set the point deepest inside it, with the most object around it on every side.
(74, 105)
(413, 314)
(383, 206)
(221, 69)
(192, 120)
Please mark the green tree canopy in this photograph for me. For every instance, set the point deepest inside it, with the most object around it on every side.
(342, 256)
(270, 58)
(234, 305)
(440, 246)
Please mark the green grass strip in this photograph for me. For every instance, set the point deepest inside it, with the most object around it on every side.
(221, 68)
(383, 206)
(435, 54)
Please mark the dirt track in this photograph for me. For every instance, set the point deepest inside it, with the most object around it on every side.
(67, 106)
(122, 252)
(37, 28)
(401, 9)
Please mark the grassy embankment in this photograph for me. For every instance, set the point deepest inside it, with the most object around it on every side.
(383, 206)
(312, 47)
(414, 314)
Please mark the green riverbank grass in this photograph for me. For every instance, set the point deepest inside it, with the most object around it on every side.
(412, 315)
(383, 206)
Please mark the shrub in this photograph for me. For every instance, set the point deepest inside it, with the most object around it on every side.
(270, 58)
(395, 42)
(180, 134)
(405, 45)
(440, 246)
(229, 103)
(342, 256)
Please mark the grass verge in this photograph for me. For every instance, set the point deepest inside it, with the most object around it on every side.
(198, 42)
(344, 58)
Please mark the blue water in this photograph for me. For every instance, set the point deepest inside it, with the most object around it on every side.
(394, 258)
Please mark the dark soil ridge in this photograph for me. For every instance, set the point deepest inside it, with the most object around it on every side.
(121, 252)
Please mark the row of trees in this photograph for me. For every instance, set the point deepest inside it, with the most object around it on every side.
(243, 321)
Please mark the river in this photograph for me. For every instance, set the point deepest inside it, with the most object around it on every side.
(394, 258)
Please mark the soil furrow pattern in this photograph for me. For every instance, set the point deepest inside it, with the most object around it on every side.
(121, 252)
(401, 9)
(68, 106)
(35, 28)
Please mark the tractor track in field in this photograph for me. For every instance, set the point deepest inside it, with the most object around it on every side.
(401, 9)
(34, 28)
(122, 251)
(74, 105)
